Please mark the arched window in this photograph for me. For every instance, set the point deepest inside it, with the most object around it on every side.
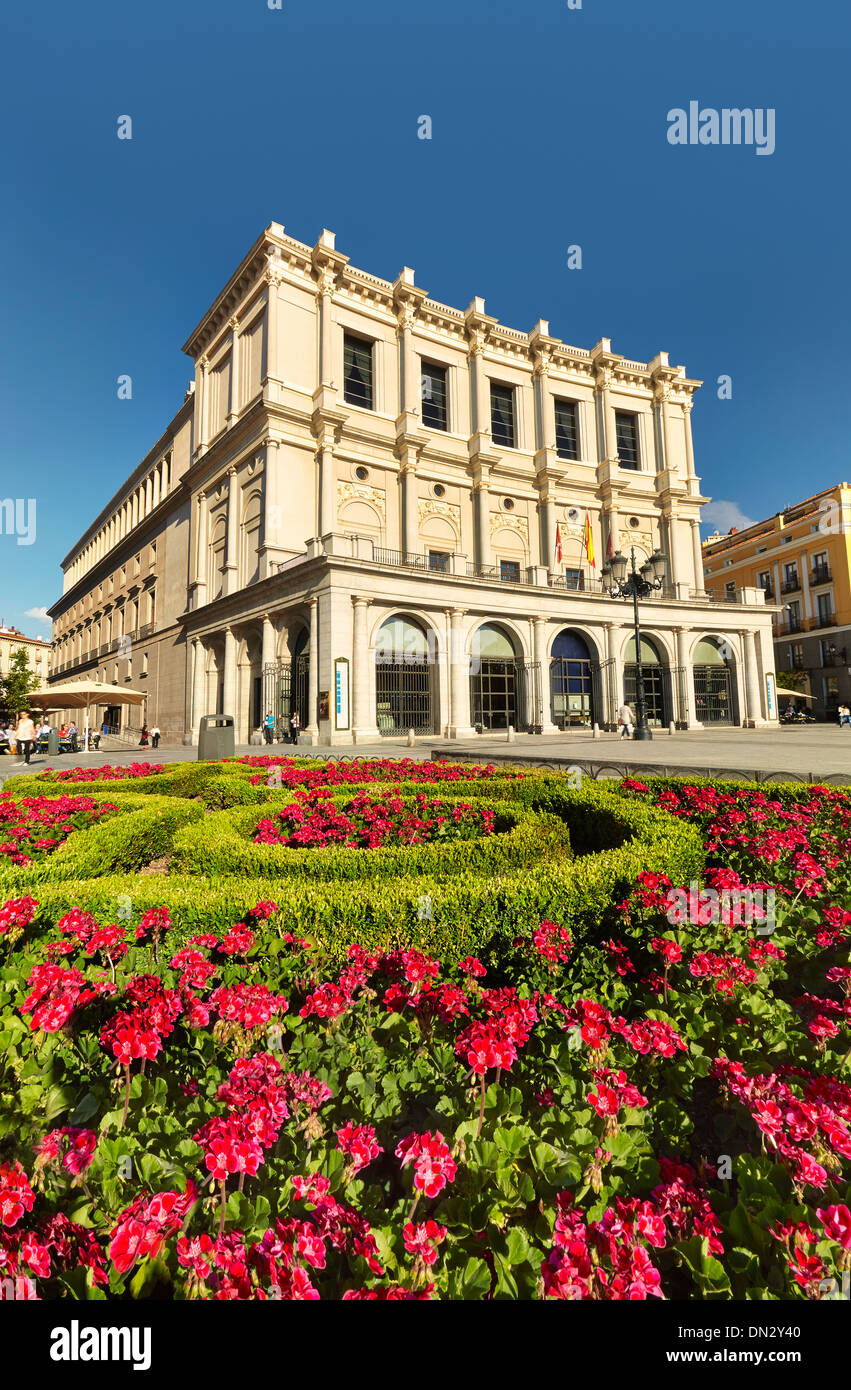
(496, 680)
(714, 682)
(571, 682)
(657, 681)
(218, 543)
(405, 696)
(251, 524)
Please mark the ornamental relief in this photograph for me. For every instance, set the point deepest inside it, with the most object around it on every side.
(644, 539)
(428, 506)
(359, 492)
(507, 521)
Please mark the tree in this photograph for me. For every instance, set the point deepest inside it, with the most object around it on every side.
(19, 684)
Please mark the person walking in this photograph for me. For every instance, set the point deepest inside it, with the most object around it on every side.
(844, 716)
(295, 726)
(155, 736)
(625, 719)
(269, 726)
(143, 741)
(25, 735)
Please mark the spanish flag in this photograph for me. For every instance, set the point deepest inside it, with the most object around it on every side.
(558, 545)
(589, 542)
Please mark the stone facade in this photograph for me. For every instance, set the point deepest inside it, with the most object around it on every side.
(801, 559)
(357, 513)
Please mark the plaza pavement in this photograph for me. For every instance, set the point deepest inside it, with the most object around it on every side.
(814, 752)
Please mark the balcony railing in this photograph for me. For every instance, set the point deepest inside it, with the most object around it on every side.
(821, 575)
(793, 625)
(824, 620)
(790, 586)
(768, 590)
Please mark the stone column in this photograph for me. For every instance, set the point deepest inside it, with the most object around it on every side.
(202, 394)
(327, 490)
(697, 551)
(199, 686)
(410, 394)
(272, 510)
(688, 406)
(233, 397)
(754, 716)
(613, 694)
(229, 675)
(607, 437)
(685, 690)
(410, 518)
(459, 680)
(548, 536)
(267, 654)
(543, 715)
(312, 728)
(481, 494)
(326, 363)
(231, 576)
(363, 718)
(270, 341)
(157, 476)
(202, 551)
(479, 391)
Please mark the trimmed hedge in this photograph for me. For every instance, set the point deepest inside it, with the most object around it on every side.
(223, 844)
(140, 831)
(787, 793)
(462, 911)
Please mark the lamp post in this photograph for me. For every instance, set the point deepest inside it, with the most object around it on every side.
(638, 583)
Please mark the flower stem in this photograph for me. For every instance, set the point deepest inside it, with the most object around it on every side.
(481, 1108)
(222, 1182)
(126, 1094)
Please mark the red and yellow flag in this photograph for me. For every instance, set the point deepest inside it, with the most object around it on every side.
(589, 542)
(558, 545)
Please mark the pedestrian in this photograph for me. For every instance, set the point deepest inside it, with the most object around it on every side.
(25, 735)
(295, 725)
(269, 726)
(625, 719)
(844, 716)
(155, 736)
(143, 741)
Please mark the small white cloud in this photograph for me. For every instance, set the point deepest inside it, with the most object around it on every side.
(39, 613)
(724, 516)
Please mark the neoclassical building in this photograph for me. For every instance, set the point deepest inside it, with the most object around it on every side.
(376, 509)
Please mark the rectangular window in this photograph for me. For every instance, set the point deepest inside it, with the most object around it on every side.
(439, 560)
(790, 576)
(825, 609)
(509, 571)
(795, 616)
(730, 591)
(357, 371)
(626, 430)
(574, 579)
(567, 430)
(796, 657)
(433, 392)
(502, 415)
(764, 580)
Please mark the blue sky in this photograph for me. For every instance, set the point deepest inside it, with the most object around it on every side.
(549, 130)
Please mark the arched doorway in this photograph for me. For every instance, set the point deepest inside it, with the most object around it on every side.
(404, 678)
(714, 687)
(572, 694)
(657, 682)
(496, 680)
(285, 686)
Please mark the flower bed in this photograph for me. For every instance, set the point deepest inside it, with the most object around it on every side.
(643, 1091)
(364, 822)
(107, 773)
(34, 826)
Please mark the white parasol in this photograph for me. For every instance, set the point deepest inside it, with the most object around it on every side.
(83, 694)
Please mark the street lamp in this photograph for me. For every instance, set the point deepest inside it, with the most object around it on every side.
(623, 580)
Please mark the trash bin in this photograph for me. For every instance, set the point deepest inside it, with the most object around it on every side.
(216, 737)
(53, 743)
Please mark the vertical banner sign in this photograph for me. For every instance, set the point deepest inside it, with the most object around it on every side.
(770, 697)
(341, 692)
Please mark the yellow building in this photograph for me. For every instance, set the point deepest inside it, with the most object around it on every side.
(801, 557)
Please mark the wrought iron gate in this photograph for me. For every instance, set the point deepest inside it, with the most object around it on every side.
(657, 692)
(713, 695)
(285, 690)
(605, 693)
(403, 695)
(679, 677)
(573, 693)
(499, 696)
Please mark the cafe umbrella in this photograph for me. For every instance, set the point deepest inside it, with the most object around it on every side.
(82, 695)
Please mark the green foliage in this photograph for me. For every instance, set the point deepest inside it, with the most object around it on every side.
(18, 684)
